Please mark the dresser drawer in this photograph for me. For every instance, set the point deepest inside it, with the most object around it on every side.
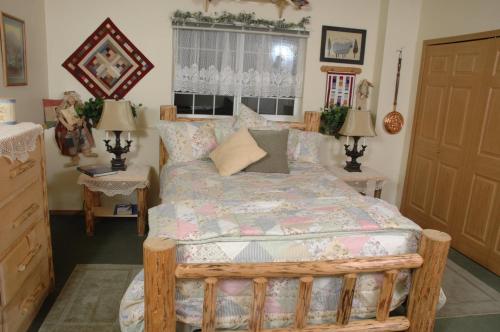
(22, 261)
(19, 214)
(16, 175)
(17, 316)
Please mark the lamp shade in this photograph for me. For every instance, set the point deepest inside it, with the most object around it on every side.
(7, 111)
(358, 123)
(117, 116)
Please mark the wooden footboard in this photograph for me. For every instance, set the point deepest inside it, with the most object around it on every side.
(161, 272)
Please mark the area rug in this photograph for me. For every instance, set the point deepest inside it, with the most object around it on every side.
(467, 295)
(90, 299)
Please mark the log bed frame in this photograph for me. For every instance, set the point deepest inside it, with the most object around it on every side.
(161, 271)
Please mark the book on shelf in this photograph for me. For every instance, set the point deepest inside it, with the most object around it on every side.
(125, 209)
(96, 170)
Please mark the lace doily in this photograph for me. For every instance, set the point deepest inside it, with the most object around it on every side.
(17, 141)
(365, 182)
(122, 183)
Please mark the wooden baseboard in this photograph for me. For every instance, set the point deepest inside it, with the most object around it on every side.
(66, 212)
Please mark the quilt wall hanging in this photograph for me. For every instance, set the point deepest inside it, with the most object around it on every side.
(107, 63)
(339, 89)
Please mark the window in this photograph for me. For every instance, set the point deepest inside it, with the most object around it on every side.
(216, 70)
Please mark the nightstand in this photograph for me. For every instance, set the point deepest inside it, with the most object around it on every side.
(368, 182)
(135, 178)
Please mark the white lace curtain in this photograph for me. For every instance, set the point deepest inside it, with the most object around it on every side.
(238, 63)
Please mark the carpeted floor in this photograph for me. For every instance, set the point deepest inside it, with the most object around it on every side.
(473, 292)
(90, 299)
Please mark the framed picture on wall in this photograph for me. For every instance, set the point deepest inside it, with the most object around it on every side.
(343, 45)
(13, 50)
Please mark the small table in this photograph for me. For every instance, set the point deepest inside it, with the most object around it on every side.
(135, 178)
(368, 182)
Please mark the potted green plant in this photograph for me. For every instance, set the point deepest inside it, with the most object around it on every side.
(92, 110)
(332, 119)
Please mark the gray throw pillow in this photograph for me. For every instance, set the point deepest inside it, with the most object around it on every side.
(275, 143)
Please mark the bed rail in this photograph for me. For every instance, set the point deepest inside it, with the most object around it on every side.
(169, 113)
(161, 272)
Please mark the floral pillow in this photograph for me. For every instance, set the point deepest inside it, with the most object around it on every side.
(223, 129)
(186, 141)
(249, 118)
(304, 146)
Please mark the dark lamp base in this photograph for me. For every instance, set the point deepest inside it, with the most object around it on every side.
(118, 163)
(352, 166)
(354, 153)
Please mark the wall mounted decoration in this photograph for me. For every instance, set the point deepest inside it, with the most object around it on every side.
(343, 45)
(339, 89)
(107, 63)
(13, 51)
(240, 21)
(394, 121)
(281, 4)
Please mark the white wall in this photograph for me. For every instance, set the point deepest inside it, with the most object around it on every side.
(147, 25)
(29, 98)
(444, 18)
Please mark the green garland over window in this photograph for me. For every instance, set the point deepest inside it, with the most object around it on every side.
(241, 20)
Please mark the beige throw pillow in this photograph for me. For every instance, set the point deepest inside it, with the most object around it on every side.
(236, 153)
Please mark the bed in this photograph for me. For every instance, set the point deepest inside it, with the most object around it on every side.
(260, 252)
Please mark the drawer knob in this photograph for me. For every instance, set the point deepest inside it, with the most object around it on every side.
(29, 257)
(27, 304)
(25, 215)
(21, 168)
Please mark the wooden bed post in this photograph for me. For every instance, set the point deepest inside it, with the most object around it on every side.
(312, 120)
(167, 113)
(426, 283)
(159, 285)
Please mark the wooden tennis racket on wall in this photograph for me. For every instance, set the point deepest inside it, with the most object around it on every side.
(394, 121)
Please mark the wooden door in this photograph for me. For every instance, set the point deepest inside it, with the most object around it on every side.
(453, 176)
(478, 217)
(450, 89)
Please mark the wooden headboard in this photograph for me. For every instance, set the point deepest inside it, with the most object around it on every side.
(169, 113)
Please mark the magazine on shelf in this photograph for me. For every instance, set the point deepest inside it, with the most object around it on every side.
(96, 170)
(125, 209)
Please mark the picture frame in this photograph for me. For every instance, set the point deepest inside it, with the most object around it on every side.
(13, 40)
(343, 45)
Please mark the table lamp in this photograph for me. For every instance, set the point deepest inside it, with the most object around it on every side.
(117, 117)
(357, 124)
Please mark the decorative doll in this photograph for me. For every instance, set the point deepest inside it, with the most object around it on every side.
(73, 133)
(362, 94)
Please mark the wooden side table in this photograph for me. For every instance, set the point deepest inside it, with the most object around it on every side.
(135, 178)
(368, 182)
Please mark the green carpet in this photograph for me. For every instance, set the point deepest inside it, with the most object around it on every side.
(90, 300)
(116, 242)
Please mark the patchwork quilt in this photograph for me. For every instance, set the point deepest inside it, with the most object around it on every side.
(306, 215)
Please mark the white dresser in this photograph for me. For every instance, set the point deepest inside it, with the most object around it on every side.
(26, 271)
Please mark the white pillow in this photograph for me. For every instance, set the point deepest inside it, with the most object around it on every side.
(187, 141)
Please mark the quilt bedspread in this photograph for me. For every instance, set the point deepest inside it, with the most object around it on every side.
(253, 217)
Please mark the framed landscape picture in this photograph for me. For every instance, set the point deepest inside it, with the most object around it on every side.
(13, 50)
(343, 45)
